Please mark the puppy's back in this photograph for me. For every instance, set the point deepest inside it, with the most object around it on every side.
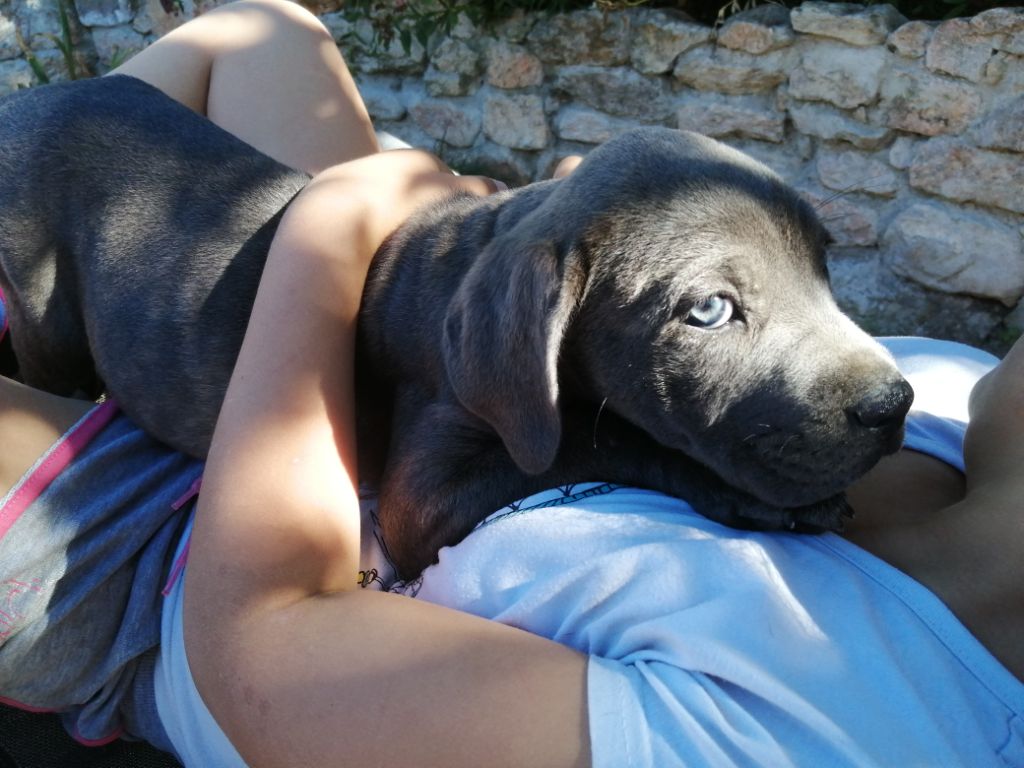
(133, 233)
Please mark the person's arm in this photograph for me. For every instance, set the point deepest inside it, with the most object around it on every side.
(297, 666)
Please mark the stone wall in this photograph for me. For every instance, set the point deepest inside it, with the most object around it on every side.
(909, 136)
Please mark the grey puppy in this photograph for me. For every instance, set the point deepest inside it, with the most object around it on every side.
(661, 318)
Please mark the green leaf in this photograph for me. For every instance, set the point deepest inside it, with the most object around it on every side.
(37, 68)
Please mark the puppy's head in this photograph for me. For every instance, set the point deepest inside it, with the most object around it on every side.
(683, 285)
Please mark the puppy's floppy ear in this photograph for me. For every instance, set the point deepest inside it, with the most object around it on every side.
(503, 332)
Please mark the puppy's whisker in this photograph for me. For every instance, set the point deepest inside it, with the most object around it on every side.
(764, 430)
(860, 184)
(785, 443)
(597, 418)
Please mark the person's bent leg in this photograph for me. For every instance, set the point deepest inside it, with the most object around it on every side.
(30, 422)
(268, 72)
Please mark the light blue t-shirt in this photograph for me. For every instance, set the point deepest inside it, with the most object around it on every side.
(717, 647)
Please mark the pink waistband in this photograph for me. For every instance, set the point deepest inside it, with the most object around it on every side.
(181, 560)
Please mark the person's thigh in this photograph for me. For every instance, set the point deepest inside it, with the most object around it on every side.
(270, 73)
(30, 422)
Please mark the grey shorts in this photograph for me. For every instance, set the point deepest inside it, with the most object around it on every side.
(86, 541)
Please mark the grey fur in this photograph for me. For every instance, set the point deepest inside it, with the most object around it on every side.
(537, 337)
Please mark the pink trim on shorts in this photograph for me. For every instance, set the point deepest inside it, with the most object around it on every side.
(55, 461)
(25, 707)
(177, 569)
(182, 559)
(191, 493)
(98, 742)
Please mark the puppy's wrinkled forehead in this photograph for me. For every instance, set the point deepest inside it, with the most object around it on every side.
(677, 199)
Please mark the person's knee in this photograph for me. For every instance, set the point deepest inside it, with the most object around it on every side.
(285, 17)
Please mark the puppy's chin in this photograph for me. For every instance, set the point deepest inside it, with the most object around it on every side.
(791, 473)
(822, 477)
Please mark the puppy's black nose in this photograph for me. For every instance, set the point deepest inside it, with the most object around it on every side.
(884, 406)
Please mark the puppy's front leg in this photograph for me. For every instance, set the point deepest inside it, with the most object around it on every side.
(446, 471)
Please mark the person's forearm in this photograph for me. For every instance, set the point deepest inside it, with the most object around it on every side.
(364, 677)
(280, 481)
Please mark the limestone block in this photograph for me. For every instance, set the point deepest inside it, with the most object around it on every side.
(788, 159)
(341, 27)
(440, 83)
(709, 68)
(958, 49)
(465, 29)
(513, 167)
(902, 151)
(391, 133)
(848, 170)
(831, 124)
(716, 115)
(104, 13)
(516, 120)
(9, 48)
(516, 27)
(911, 40)
(849, 221)
(37, 20)
(1005, 26)
(588, 125)
(445, 121)
(957, 251)
(151, 18)
(512, 66)
(659, 37)
(884, 303)
(381, 96)
(961, 172)
(852, 23)
(1003, 128)
(620, 91)
(362, 56)
(842, 75)
(758, 30)
(458, 56)
(115, 45)
(924, 103)
(14, 74)
(582, 37)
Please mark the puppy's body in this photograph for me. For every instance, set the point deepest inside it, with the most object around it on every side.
(125, 263)
(568, 331)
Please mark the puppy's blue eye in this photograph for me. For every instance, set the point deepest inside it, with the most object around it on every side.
(713, 312)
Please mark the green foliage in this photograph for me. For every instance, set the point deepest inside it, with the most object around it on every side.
(418, 20)
(65, 43)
